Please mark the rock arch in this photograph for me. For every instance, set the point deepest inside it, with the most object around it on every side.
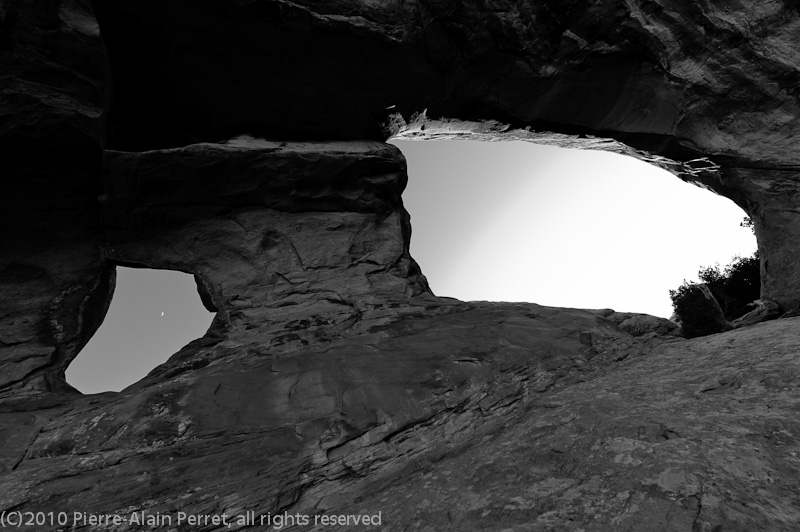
(110, 146)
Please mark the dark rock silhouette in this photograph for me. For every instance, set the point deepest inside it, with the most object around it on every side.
(332, 379)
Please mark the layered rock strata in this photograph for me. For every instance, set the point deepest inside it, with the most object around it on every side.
(254, 419)
(329, 370)
(697, 435)
(55, 287)
(331, 374)
(681, 80)
(270, 225)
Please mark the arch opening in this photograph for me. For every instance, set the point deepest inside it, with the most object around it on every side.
(153, 314)
(517, 221)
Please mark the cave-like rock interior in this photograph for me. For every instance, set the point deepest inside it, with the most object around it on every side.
(243, 141)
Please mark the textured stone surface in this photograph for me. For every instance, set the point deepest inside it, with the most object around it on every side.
(682, 80)
(768, 195)
(267, 225)
(642, 324)
(498, 415)
(332, 380)
(298, 240)
(714, 77)
(306, 418)
(763, 310)
(52, 92)
(696, 435)
(422, 127)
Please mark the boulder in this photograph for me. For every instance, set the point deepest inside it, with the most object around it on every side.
(764, 310)
(642, 324)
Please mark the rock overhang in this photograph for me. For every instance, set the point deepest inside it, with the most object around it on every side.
(699, 75)
(300, 220)
(683, 82)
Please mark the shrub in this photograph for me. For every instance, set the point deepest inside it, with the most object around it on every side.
(698, 314)
(733, 287)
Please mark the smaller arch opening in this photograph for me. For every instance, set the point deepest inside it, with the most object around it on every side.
(153, 314)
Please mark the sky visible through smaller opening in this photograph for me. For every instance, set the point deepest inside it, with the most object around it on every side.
(515, 221)
(153, 314)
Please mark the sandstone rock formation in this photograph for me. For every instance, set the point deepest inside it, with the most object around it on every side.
(332, 380)
(55, 285)
(641, 324)
(694, 435)
(763, 310)
(683, 80)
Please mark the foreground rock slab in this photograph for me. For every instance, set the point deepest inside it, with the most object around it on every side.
(238, 422)
(696, 435)
(438, 416)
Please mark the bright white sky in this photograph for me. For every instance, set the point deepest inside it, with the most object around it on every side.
(515, 221)
(500, 221)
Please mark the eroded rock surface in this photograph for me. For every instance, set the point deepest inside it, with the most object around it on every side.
(683, 80)
(54, 285)
(304, 419)
(697, 435)
(637, 324)
(331, 376)
(707, 77)
(267, 224)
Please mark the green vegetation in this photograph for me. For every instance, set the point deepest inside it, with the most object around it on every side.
(697, 315)
(734, 287)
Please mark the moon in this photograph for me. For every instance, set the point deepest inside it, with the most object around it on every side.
(162, 313)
